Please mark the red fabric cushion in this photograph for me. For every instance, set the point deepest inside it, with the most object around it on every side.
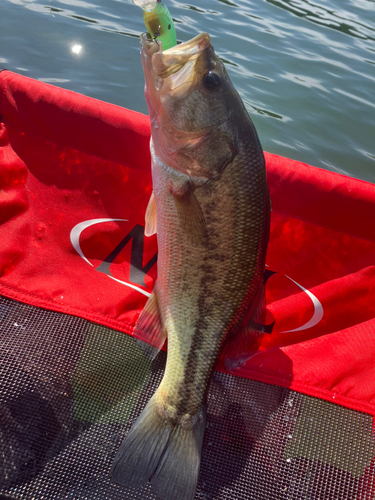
(74, 185)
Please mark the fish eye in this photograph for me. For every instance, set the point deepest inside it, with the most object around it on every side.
(211, 80)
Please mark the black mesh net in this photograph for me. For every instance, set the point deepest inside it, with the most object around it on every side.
(70, 390)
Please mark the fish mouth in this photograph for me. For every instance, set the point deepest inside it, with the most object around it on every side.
(175, 56)
(173, 67)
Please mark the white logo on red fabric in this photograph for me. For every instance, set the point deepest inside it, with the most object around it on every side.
(138, 271)
(318, 310)
(75, 234)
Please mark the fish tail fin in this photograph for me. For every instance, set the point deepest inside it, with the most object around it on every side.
(177, 473)
(166, 454)
(139, 453)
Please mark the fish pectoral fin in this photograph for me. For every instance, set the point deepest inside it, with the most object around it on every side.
(190, 216)
(244, 342)
(150, 217)
(166, 454)
(149, 327)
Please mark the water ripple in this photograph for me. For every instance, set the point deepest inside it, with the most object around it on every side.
(227, 2)
(196, 9)
(304, 68)
(257, 110)
(81, 18)
(342, 20)
(306, 81)
(101, 19)
(355, 97)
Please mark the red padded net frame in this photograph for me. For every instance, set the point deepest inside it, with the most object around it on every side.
(296, 421)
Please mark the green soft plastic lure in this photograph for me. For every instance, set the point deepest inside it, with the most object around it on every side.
(158, 21)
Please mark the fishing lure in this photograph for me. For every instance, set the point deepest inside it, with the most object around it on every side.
(158, 22)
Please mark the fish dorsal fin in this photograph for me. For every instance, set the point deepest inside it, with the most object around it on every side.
(190, 215)
(149, 327)
(244, 342)
(150, 217)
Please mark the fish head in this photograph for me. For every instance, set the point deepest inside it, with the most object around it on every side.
(192, 104)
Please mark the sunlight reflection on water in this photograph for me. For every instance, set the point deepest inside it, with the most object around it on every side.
(76, 49)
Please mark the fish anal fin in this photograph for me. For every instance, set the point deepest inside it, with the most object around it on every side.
(150, 217)
(245, 340)
(149, 327)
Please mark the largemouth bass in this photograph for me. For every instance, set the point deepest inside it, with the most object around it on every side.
(210, 208)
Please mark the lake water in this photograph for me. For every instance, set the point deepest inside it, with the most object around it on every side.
(304, 68)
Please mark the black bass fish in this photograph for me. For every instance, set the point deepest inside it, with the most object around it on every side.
(211, 209)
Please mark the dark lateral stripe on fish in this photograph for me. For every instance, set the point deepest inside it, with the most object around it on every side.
(191, 372)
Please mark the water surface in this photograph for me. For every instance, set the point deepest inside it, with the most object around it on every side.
(305, 69)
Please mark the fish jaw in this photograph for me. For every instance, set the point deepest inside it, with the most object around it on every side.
(170, 61)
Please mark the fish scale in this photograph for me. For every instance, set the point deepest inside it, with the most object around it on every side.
(212, 209)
